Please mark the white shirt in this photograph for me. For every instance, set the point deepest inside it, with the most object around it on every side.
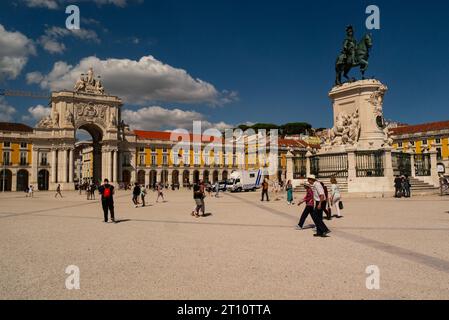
(318, 191)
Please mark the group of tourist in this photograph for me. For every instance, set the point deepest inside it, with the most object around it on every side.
(140, 191)
(402, 187)
(29, 191)
(318, 200)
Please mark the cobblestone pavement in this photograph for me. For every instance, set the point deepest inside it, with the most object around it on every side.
(244, 249)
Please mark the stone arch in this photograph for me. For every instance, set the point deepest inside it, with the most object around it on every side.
(215, 177)
(206, 176)
(141, 177)
(22, 180)
(224, 175)
(186, 178)
(175, 177)
(196, 176)
(126, 177)
(5, 180)
(153, 178)
(42, 180)
(97, 134)
(164, 177)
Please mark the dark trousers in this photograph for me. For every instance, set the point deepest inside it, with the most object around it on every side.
(265, 192)
(308, 210)
(317, 217)
(108, 205)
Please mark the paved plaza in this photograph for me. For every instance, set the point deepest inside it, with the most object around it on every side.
(244, 249)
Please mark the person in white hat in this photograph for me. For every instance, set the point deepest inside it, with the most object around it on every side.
(320, 201)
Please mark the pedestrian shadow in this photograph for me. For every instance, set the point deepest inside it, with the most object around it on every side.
(206, 215)
(122, 220)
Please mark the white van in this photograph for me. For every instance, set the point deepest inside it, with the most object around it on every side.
(243, 180)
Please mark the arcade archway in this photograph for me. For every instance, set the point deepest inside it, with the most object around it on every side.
(141, 177)
(89, 149)
(22, 180)
(5, 180)
(42, 180)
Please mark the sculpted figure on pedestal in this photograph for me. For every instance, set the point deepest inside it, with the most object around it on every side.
(45, 123)
(89, 84)
(69, 117)
(56, 120)
(346, 129)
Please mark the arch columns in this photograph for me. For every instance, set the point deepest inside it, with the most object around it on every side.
(34, 172)
(71, 164)
(54, 166)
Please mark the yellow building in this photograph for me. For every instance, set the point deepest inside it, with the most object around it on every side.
(15, 156)
(422, 138)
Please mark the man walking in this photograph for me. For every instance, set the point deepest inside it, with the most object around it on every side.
(217, 189)
(107, 199)
(265, 189)
(320, 203)
(58, 191)
(136, 194)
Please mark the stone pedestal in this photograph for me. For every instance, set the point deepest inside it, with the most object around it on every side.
(358, 116)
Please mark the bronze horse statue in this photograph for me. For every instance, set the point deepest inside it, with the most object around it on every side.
(361, 56)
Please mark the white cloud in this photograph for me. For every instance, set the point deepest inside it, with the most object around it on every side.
(51, 45)
(54, 4)
(6, 111)
(158, 118)
(49, 4)
(138, 82)
(15, 48)
(50, 40)
(36, 113)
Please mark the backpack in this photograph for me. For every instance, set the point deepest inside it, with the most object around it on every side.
(107, 192)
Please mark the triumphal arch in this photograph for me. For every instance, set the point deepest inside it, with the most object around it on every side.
(88, 108)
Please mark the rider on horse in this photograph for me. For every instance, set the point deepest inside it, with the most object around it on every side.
(349, 47)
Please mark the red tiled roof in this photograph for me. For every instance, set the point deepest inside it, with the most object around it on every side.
(426, 127)
(166, 136)
(17, 127)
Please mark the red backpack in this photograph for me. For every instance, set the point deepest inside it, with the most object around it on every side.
(107, 192)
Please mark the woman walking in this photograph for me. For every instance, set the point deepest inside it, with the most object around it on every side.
(143, 193)
(289, 188)
(335, 198)
(160, 192)
(198, 197)
(310, 205)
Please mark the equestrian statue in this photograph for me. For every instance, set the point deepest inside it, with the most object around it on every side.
(353, 55)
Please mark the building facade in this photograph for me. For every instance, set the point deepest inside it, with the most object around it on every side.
(420, 139)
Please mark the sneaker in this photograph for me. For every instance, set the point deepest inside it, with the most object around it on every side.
(299, 228)
(339, 217)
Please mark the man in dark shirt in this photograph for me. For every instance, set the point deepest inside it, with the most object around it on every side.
(265, 190)
(398, 187)
(136, 194)
(107, 199)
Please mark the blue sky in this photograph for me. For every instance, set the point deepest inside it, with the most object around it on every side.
(258, 61)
